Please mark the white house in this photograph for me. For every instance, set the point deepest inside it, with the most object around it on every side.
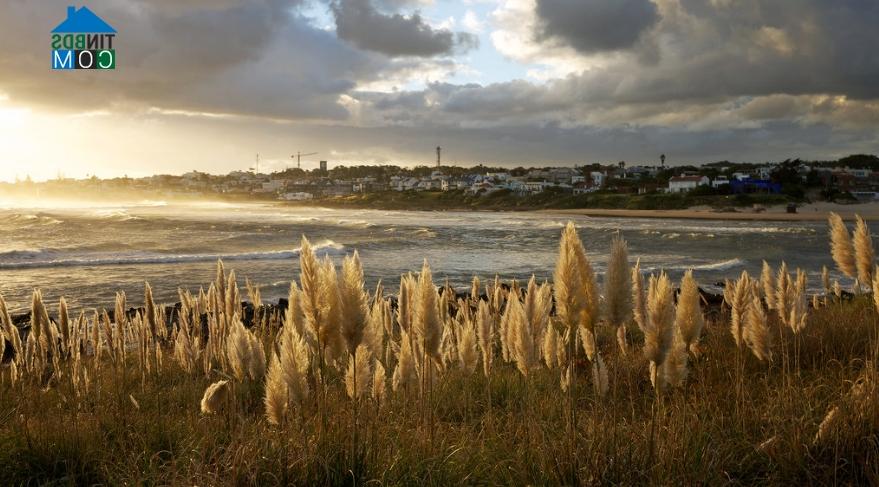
(536, 186)
(719, 181)
(680, 184)
(597, 178)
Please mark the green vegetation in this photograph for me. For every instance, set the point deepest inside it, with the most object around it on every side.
(549, 199)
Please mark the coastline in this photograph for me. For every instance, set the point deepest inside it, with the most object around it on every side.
(808, 212)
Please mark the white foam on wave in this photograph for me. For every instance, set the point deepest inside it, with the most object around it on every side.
(710, 266)
(30, 260)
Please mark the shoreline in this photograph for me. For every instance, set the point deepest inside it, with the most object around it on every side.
(808, 212)
(805, 213)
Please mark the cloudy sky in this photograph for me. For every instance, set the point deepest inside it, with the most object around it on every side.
(207, 84)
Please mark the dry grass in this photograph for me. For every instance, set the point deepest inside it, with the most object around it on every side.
(458, 412)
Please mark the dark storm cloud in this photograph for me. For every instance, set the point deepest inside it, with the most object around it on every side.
(359, 22)
(595, 25)
(257, 58)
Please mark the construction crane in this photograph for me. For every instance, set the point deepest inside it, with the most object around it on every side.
(255, 168)
(298, 157)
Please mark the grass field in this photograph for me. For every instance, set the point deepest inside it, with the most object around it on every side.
(131, 413)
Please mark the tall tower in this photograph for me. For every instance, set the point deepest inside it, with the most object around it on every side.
(438, 150)
(662, 160)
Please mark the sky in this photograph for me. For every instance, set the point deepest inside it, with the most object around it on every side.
(207, 84)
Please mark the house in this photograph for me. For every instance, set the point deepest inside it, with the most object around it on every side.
(598, 178)
(583, 187)
(750, 185)
(719, 181)
(680, 184)
(535, 187)
(272, 186)
(84, 21)
(764, 172)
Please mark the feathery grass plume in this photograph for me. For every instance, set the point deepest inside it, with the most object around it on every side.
(331, 300)
(639, 297)
(379, 382)
(688, 318)
(427, 325)
(39, 316)
(233, 296)
(617, 290)
(10, 330)
(784, 294)
(829, 425)
(864, 254)
(63, 323)
(799, 307)
(468, 355)
(313, 301)
(294, 317)
(485, 335)
(674, 369)
(378, 324)
(521, 340)
(244, 351)
(728, 290)
(150, 309)
(589, 346)
(255, 295)
(474, 289)
(215, 397)
(276, 393)
(537, 306)
(576, 298)
(551, 348)
(354, 302)
(358, 376)
(404, 302)
(659, 332)
(767, 279)
(740, 299)
(186, 349)
(120, 316)
(841, 247)
(220, 281)
(756, 333)
(825, 280)
(295, 361)
(504, 331)
(405, 374)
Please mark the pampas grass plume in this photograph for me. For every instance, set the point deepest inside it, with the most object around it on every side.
(214, 397)
(841, 248)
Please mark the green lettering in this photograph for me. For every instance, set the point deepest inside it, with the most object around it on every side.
(79, 43)
(56, 41)
(107, 59)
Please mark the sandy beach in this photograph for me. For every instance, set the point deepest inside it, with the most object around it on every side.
(808, 212)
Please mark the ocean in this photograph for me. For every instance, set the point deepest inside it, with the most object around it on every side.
(89, 252)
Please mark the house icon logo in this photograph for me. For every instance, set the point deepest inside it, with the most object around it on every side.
(83, 41)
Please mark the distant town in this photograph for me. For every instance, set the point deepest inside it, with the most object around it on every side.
(852, 178)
